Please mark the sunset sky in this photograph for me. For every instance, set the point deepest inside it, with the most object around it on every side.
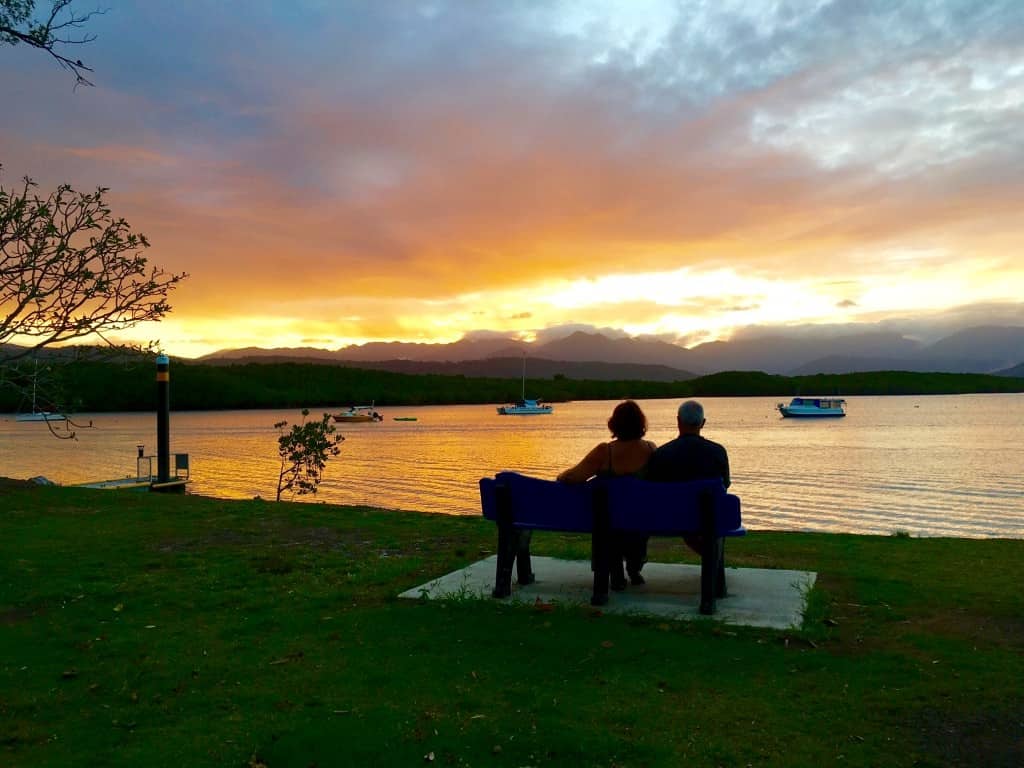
(339, 172)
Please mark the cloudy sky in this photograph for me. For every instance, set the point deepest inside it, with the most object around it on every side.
(340, 172)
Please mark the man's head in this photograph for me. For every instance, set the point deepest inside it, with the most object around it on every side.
(690, 418)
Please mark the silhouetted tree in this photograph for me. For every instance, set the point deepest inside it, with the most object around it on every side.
(304, 451)
(69, 270)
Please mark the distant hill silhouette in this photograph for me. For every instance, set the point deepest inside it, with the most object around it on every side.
(985, 348)
(464, 349)
(492, 367)
(583, 347)
(1017, 371)
(841, 364)
(980, 349)
(781, 354)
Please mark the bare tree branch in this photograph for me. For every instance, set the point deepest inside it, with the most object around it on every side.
(61, 27)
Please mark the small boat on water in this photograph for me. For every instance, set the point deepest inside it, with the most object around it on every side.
(404, 418)
(35, 414)
(813, 407)
(524, 407)
(40, 416)
(358, 413)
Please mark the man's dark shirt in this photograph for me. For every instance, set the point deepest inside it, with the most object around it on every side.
(688, 457)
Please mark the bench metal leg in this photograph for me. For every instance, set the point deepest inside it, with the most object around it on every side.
(709, 557)
(709, 576)
(721, 590)
(599, 565)
(600, 548)
(503, 573)
(507, 544)
(524, 569)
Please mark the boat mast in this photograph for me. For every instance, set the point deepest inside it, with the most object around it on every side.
(524, 378)
(35, 377)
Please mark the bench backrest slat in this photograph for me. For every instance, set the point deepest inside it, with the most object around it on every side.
(634, 504)
(546, 504)
(667, 508)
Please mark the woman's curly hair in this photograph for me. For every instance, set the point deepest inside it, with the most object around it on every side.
(627, 421)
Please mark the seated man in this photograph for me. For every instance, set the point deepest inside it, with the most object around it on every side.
(689, 457)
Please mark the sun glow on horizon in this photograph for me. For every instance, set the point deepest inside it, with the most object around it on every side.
(685, 305)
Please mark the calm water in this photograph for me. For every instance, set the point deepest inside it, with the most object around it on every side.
(940, 465)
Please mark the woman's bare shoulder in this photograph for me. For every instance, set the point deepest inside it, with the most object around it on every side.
(589, 465)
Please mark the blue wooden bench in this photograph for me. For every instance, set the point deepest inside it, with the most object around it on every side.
(520, 505)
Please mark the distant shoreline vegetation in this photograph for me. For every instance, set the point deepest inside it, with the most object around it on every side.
(108, 386)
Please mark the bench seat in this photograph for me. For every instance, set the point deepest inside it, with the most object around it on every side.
(605, 507)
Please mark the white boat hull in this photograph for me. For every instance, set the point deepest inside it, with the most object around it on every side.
(813, 408)
(813, 413)
(521, 410)
(358, 414)
(40, 416)
(525, 407)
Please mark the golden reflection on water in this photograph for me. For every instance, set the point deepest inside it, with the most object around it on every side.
(941, 465)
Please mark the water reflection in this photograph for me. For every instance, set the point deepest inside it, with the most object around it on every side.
(947, 465)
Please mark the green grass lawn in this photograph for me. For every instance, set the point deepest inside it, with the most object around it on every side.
(148, 630)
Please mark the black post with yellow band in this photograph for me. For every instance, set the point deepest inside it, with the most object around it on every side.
(163, 418)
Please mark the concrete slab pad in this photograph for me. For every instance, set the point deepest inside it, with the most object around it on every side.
(758, 597)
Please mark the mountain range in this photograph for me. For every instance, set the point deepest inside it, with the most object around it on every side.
(979, 349)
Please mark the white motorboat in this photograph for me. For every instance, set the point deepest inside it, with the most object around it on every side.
(358, 413)
(813, 407)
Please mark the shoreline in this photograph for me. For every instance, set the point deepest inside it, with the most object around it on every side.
(109, 388)
(316, 503)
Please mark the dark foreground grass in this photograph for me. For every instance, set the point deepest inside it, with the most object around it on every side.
(147, 630)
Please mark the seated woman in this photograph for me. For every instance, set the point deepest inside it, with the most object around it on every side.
(627, 454)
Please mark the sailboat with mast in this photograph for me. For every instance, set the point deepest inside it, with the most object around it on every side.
(35, 414)
(524, 406)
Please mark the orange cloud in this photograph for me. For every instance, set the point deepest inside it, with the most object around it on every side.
(459, 182)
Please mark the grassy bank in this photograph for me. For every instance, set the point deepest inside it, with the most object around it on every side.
(153, 630)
